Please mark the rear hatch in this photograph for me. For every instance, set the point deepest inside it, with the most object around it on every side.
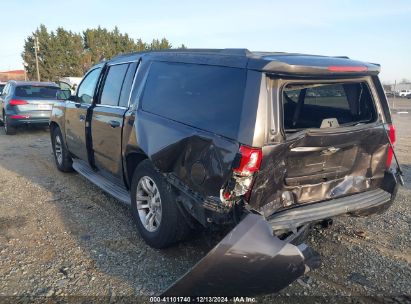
(36, 100)
(331, 142)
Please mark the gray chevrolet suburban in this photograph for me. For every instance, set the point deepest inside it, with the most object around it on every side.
(269, 143)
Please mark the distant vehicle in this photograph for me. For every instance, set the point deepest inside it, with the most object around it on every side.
(391, 93)
(404, 93)
(23, 103)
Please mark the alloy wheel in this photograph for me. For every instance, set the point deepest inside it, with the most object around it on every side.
(148, 202)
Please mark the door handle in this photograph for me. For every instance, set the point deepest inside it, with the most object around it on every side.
(82, 117)
(77, 105)
(114, 123)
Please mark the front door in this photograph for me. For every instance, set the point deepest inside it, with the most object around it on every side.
(76, 114)
(107, 118)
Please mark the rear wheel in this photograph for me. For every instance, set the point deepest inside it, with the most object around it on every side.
(154, 208)
(61, 154)
(9, 130)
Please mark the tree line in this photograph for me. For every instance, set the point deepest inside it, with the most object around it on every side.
(66, 53)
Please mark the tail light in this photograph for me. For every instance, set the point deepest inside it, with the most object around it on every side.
(250, 161)
(17, 102)
(19, 116)
(243, 175)
(391, 135)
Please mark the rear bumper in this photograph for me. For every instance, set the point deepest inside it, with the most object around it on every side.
(247, 262)
(15, 122)
(361, 204)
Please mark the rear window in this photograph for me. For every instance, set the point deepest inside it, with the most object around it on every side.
(323, 105)
(206, 97)
(29, 91)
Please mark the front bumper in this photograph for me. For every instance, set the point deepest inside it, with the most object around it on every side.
(247, 262)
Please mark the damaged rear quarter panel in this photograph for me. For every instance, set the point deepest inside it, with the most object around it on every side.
(200, 159)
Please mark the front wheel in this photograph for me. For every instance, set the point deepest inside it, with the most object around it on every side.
(61, 154)
(154, 208)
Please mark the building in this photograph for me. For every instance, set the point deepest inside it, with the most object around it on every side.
(12, 75)
(401, 86)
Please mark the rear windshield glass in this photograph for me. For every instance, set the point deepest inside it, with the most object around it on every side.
(29, 91)
(206, 97)
(323, 105)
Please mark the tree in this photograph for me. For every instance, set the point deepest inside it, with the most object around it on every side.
(65, 53)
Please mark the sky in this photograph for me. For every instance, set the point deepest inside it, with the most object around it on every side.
(370, 30)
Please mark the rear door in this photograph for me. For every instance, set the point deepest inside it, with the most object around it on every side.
(76, 114)
(108, 116)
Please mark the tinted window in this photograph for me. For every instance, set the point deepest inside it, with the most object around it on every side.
(128, 82)
(29, 91)
(206, 97)
(85, 91)
(2, 87)
(112, 85)
(308, 105)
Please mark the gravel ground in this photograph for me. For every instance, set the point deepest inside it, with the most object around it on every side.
(61, 236)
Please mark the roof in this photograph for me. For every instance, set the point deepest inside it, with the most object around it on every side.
(274, 62)
(33, 83)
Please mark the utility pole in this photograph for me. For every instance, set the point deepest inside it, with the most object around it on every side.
(36, 49)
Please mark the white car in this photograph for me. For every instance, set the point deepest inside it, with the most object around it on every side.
(404, 93)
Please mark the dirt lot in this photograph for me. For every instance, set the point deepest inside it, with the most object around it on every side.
(60, 235)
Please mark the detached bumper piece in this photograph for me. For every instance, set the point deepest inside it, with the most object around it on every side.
(292, 218)
(247, 262)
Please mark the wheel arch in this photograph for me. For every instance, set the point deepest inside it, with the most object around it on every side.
(132, 160)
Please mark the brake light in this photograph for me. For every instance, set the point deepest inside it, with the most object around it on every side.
(17, 102)
(342, 68)
(19, 116)
(391, 135)
(250, 161)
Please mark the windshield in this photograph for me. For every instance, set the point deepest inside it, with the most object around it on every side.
(29, 91)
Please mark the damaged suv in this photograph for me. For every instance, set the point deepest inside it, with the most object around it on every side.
(269, 142)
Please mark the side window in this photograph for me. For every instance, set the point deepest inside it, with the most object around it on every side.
(128, 82)
(206, 97)
(86, 89)
(113, 84)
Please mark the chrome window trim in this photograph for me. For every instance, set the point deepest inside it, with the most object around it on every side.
(110, 106)
(134, 81)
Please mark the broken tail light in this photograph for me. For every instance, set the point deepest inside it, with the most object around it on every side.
(250, 161)
(243, 175)
(17, 102)
(391, 136)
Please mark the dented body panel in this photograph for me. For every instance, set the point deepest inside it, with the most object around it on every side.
(310, 174)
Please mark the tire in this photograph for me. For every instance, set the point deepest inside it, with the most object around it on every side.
(61, 155)
(8, 129)
(168, 224)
